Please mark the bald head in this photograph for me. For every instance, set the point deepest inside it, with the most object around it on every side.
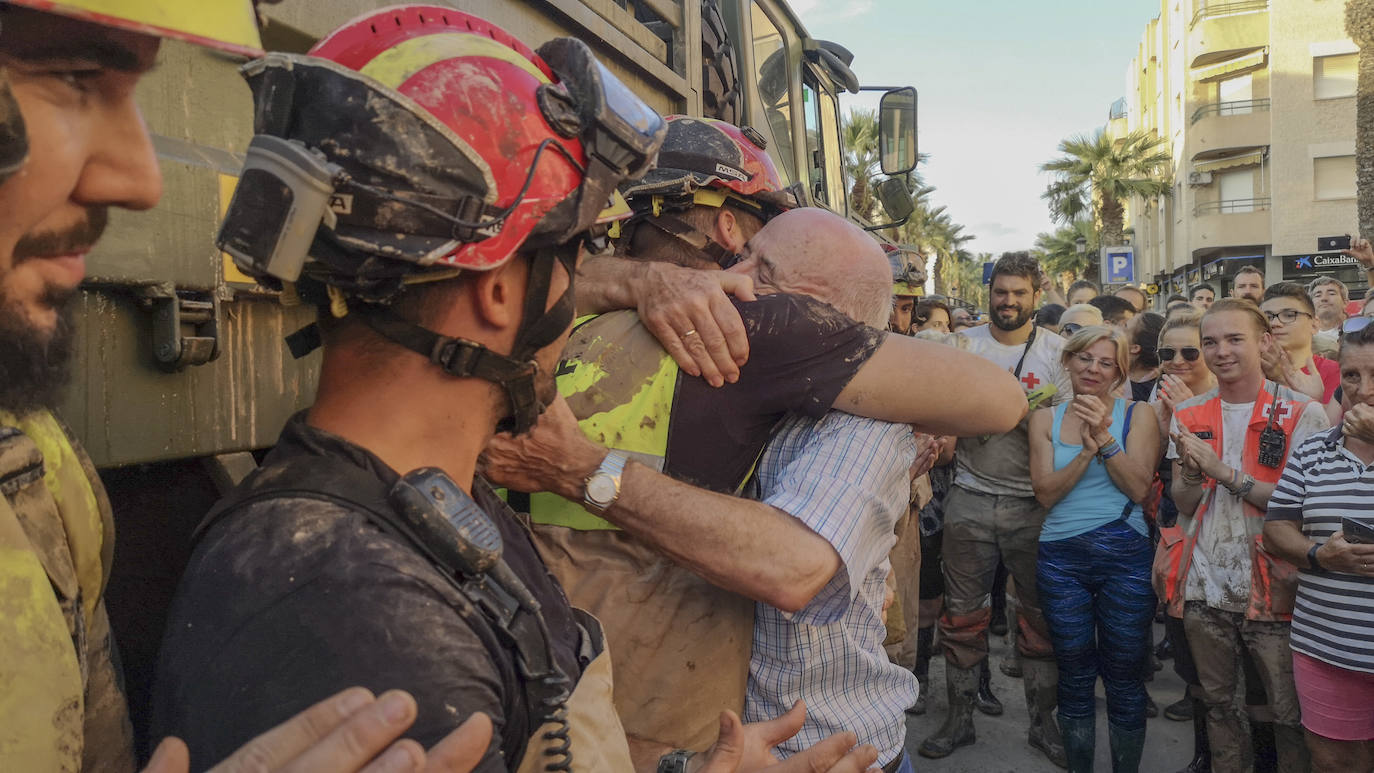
(811, 251)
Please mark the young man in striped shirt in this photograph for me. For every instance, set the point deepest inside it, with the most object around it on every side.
(1326, 491)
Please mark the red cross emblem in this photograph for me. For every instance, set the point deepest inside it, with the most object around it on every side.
(1285, 410)
(1030, 381)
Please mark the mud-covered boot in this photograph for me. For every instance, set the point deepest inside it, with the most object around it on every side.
(1041, 680)
(984, 699)
(962, 685)
(1202, 750)
(1080, 742)
(925, 639)
(1127, 746)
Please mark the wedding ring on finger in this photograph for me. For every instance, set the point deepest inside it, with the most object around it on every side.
(689, 333)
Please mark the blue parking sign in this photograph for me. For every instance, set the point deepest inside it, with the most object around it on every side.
(987, 272)
(1118, 265)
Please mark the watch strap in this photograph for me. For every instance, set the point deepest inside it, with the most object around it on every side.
(674, 761)
(1312, 561)
(614, 466)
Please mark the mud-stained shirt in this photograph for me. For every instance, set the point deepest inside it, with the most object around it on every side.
(802, 354)
(289, 600)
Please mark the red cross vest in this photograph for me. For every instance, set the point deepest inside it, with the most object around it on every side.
(1273, 581)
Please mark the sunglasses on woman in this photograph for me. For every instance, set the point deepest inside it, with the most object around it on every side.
(1069, 328)
(1190, 353)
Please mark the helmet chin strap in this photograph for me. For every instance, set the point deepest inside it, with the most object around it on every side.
(689, 236)
(516, 373)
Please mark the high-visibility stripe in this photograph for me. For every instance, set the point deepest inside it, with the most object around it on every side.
(396, 65)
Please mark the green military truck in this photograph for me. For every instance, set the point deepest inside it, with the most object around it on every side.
(183, 356)
(183, 373)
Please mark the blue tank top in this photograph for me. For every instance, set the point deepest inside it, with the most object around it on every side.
(1095, 500)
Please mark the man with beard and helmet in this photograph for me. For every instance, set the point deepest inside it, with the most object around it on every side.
(992, 513)
(907, 277)
(73, 144)
(428, 182)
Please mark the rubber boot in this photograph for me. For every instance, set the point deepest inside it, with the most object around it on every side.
(1127, 746)
(1262, 741)
(1011, 664)
(962, 685)
(925, 638)
(1202, 751)
(1041, 680)
(984, 699)
(1080, 742)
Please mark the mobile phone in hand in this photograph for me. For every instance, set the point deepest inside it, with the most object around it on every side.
(1333, 243)
(1356, 533)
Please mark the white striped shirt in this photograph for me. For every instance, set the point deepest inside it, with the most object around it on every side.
(1333, 619)
(848, 479)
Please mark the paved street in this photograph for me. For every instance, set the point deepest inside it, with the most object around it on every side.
(1002, 746)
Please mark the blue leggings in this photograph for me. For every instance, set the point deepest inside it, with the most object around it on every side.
(1096, 593)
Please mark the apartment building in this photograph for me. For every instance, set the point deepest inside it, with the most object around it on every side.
(1256, 99)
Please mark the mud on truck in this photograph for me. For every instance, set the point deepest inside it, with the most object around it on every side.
(183, 379)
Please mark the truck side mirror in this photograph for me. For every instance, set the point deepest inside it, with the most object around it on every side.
(892, 193)
(897, 131)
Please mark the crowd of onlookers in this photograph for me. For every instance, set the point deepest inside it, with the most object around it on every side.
(1204, 465)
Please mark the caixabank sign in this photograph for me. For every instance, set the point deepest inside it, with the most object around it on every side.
(1318, 263)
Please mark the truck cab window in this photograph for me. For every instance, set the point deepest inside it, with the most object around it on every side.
(772, 96)
(824, 174)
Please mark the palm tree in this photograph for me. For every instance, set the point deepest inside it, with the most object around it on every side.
(1100, 173)
(1059, 254)
(1359, 25)
(860, 138)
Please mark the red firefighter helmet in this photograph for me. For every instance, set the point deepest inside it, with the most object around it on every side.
(703, 153)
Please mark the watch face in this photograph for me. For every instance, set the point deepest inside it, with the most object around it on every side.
(601, 488)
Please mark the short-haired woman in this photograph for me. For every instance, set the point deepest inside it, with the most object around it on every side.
(1092, 461)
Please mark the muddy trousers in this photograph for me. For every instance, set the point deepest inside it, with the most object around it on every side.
(1217, 638)
(1096, 593)
(980, 529)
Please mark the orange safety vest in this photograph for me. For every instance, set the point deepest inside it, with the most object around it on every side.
(1273, 581)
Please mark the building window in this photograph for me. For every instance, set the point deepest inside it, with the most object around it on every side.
(1334, 76)
(1237, 190)
(1333, 177)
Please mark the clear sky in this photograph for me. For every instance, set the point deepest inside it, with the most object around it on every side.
(1001, 82)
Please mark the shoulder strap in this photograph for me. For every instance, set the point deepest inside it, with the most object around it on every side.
(1030, 340)
(1126, 428)
(496, 595)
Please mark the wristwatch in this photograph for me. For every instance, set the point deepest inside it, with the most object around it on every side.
(674, 761)
(602, 487)
(1312, 561)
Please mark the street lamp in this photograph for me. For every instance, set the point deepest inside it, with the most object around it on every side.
(1080, 244)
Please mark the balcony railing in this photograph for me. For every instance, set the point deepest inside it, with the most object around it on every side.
(1238, 107)
(1207, 9)
(1231, 206)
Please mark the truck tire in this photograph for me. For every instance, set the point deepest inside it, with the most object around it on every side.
(720, 91)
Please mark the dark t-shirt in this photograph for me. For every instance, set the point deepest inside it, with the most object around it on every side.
(802, 354)
(289, 600)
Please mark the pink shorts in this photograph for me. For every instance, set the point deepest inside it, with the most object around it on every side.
(1337, 703)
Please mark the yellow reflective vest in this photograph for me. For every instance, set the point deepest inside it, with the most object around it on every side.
(61, 708)
(679, 645)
